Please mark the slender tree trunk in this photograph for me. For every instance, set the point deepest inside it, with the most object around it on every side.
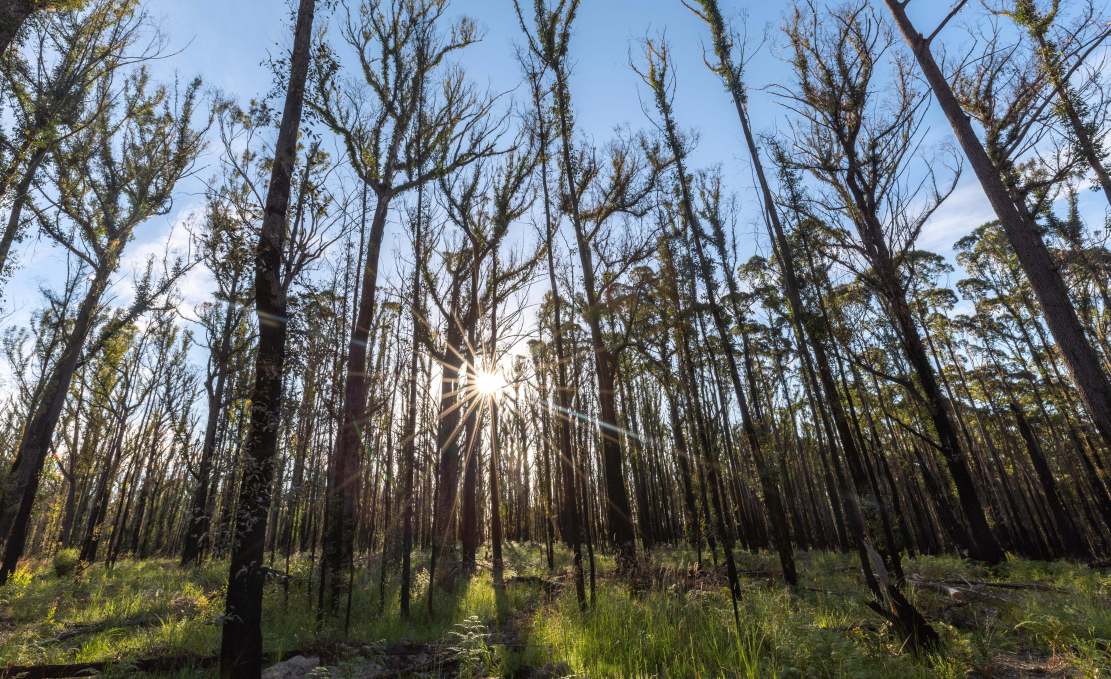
(12, 15)
(15, 212)
(196, 534)
(776, 510)
(409, 435)
(618, 514)
(448, 432)
(709, 455)
(241, 643)
(345, 471)
(22, 483)
(91, 542)
(984, 545)
(473, 431)
(495, 442)
(1088, 146)
(1069, 535)
(569, 509)
(895, 606)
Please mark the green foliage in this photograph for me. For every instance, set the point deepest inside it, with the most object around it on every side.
(469, 642)
(63, 5)
(825, 630)
(65, 562)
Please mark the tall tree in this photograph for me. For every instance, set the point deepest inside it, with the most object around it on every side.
(1061, 51)
(54, 92)
(569, 509)
(1019, 226)
(657, 74)
(809, 331)
(110, 179)
(241, 638)
(596, 191)
(226, 254)
(402, 55)
(863, 155)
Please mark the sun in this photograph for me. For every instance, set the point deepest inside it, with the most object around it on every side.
(489, 383)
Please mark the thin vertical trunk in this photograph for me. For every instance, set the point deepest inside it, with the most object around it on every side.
(409, 433)
(619, 519)
(17, 495)
(241, 643)
(569, 509)
(495, 441)
(448, 431)
(776, 510)
(344, 472)
(890, 602)
(196, 535)
(15, 212)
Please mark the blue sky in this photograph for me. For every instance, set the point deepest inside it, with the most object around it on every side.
(226, 42)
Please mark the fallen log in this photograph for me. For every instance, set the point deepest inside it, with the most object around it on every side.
(972, 584)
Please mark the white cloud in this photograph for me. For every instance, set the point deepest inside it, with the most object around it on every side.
(966, 209)
(175, 240)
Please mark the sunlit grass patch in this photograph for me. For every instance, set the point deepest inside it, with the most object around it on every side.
(823, 629)
(129, 610)
(657, 634)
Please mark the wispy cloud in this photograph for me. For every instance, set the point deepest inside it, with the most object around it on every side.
(172, 242)
(966, 209)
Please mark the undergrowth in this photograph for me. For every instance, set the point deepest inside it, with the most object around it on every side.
(683, 628)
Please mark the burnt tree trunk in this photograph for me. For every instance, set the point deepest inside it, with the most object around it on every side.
(241, 642)
(12, 15)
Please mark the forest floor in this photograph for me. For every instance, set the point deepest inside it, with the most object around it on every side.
(1021, 619)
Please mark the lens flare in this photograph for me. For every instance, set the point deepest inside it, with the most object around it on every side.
(489, 383)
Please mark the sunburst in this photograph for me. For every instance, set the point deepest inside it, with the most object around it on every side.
(489, 382)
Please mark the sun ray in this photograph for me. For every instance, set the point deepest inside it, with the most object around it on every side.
(490, 382)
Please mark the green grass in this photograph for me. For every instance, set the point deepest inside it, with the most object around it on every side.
(830, 633)
(683, 629)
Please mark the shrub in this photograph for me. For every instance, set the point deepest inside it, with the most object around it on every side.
(65, 562)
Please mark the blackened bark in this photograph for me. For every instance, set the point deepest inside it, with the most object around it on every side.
(473, 433)
(241, 643)
(495, 442)
(984, 545)
(12, 15)
(894, 606)
(776, 510)
(682, 455)
(448, 432)
(19, 200)
(409, 433)
(345, 471)
(569, 510)
(196, 534)
(1068, 534)
(90, 543)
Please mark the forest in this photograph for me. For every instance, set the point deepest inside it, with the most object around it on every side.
(480, 384)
